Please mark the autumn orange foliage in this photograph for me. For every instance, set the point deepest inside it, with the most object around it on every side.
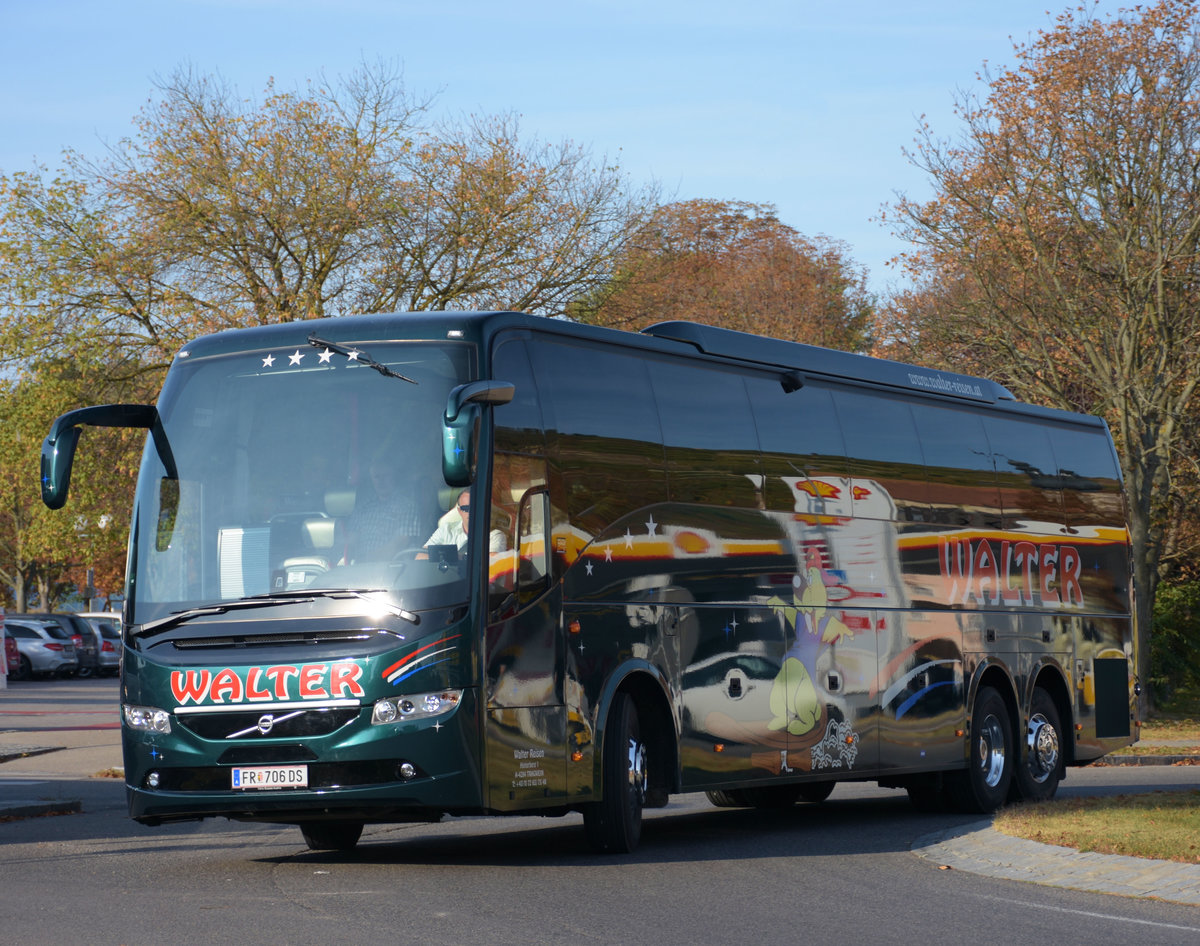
(735, 265)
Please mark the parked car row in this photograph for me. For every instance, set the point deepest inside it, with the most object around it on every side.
(65, 644)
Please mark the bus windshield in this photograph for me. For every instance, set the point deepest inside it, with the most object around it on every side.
(296, 470)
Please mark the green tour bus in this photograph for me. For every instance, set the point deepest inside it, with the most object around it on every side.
(391, 568)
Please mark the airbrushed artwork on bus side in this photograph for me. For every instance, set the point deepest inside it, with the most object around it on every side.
(851, 650)
(796, 706)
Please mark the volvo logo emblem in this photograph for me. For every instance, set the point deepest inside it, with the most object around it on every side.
(265, 725)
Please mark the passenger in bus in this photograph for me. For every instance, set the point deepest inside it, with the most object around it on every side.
(453, 527)
(386, 523)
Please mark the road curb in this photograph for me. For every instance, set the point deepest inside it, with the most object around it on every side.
(21, 809)
(9, 753)
(979, 848)
(18, 808)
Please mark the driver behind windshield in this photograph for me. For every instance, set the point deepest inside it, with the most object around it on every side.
(453, 527)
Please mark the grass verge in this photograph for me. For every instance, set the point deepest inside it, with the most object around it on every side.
(1161, 825)
(1181, 736)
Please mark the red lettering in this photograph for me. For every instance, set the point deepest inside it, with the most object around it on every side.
(1025, 555)
(1048, 566)
(343, 680)
(952, 567)
(253, 691)
(189, 685)
(279, 678)
(311, 678)
(984, 573)
(1024, 573)
(1069, 565)
(226, 682)
(1008, 593)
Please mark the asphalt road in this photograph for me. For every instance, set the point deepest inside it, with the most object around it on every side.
(841, 872)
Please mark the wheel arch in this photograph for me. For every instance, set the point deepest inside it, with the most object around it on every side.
(650, 691)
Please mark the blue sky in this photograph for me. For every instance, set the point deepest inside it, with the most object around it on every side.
(807, 104)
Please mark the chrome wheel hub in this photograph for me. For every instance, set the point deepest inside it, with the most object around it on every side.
(1042, 741)
(991, 751)
(637, 770)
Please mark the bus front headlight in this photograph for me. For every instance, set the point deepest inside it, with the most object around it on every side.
(396, 709)
(146, 718)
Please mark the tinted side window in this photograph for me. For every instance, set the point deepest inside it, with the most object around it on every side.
(708, 432)
(517, 424)
(1090, 477)
(602, 429)
(885, 457)
(803, 454)
(958, 463)
(1027, 474)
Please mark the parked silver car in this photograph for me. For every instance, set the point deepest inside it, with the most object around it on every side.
(107, 625)
(83, 635)
(44, 647)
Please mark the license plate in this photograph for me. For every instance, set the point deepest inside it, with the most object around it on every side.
(270, 776)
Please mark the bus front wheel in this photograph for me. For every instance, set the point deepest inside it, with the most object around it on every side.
(614, 824)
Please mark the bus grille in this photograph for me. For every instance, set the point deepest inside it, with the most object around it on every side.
(257, 724)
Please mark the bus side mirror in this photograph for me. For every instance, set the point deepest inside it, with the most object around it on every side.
(58, 449)
(459, 440)
(58, 454)
(461, 426)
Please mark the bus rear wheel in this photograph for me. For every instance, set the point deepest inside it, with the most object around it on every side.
(1040, 770)
(984, 786)
(331, 835)
(728, 798)
(614, 824)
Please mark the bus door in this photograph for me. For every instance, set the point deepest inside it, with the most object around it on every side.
(523, 647)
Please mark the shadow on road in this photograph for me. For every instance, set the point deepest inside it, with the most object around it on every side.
(852, 826)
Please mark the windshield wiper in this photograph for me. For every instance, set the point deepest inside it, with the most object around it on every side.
(365, 594)
(299, 596)
(356, 355)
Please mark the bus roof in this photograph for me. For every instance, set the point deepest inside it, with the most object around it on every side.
(809, 359)
(794, 360)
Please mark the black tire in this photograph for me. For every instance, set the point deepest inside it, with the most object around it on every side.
(1040, 767)
(984, 786)
(24, 669)
(614, 824)
(83, 673)
(815, 792)
(730, 798)
(331, 835)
